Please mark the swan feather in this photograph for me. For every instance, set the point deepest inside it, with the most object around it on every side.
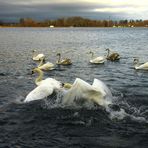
(142, 66)
(47, 66)
(98, 60)
(82, 89)
(44, 89)
(38, 57)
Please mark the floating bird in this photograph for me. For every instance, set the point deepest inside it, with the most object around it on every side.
(46, 66)
(44, 87)
(65, 61)
(97, 60)
(98, 92)
(113, 56)
(37, 57)
(142, 66)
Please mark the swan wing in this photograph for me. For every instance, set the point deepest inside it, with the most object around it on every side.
(82, 90)
(45, 89)
(66, 61)
(114, 56)
(47, 66)
(98, 60)
(143, 66)
(40, 92)
(98, 84)
(52, 82)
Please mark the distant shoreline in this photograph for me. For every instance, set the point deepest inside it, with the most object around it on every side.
(69, 27)
(75, 22)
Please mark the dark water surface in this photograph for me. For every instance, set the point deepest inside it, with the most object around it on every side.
(39, 123)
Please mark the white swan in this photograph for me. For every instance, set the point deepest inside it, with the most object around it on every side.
(98, 92)
(142, 66)
(46, 66)
(37, 57)
(65, 61)
(44, 87)
(97, 60)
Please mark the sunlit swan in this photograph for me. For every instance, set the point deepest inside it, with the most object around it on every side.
(142, 66)
(113, 56)
(97, 60)
(37, 57)
(98, 92)
(46, 66)
(65, 61)
(44, 89)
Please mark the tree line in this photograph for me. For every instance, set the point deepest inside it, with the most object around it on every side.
(76, 22)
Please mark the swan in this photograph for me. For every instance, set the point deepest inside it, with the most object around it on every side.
(44, 87)
(97, 60)
(142, 66)
(37, 57)
(98, 92)
(113, 56)
(46, 66)
(65, 61)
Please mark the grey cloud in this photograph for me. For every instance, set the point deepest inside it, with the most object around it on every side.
(13, 11)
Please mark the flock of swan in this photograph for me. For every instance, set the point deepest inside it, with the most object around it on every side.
(97, 92)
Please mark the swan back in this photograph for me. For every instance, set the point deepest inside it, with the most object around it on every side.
(47, 66)
(56, 85)
(98, 60)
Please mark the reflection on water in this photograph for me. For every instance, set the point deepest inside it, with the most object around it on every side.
(62, 125)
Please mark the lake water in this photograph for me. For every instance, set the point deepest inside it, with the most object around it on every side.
(41, 124)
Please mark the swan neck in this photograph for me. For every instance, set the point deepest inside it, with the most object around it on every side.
(41, 62)
(40, 76)
(92, 54)
(136, 64)
(108, 52)
(59, 58)
(34, 54)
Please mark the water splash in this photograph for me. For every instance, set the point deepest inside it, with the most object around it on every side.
(114, 109)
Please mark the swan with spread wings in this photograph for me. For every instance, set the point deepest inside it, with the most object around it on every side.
(98, 92)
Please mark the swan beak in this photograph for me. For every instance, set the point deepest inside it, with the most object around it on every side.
(32, 72)
(62, 84)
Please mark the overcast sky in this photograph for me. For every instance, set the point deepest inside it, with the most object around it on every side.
(13, 10)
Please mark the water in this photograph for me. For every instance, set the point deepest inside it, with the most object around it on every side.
(44, 124)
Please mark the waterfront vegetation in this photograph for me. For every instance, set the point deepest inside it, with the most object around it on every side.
(75, 22)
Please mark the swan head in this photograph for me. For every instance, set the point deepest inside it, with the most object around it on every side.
(107, 49)
(33, 50)
(90, 52)
(58, 54)
(66, 85)
(35, 70)
(136, 61)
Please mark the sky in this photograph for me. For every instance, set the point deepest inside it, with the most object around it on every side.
(13, 10)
